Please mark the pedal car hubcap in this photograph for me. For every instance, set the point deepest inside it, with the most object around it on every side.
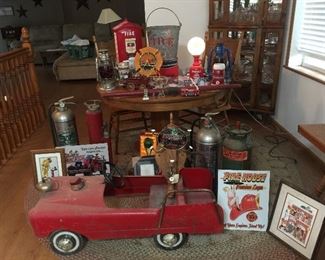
(65, 243)
(170, 239)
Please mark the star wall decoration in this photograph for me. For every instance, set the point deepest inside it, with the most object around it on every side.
(38, 2)
(82, 3)
(22, 11)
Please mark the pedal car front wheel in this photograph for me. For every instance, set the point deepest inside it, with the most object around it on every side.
(170, 241)
(66, 242)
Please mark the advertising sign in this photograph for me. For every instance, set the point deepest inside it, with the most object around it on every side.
(244, 196)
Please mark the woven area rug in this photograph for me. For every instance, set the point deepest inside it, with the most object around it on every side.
(229, 245)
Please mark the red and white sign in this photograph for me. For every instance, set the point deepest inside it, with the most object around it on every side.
(244, 197)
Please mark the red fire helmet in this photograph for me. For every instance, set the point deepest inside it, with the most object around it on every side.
(248, 203)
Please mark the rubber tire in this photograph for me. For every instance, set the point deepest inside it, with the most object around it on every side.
(78, 242)
(181, 240)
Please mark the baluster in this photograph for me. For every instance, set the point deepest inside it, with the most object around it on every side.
(30, 68)
(26, 102)
(28, 125)
(12, 101)
(4, 137)
(6, 107)
(3, 155)
(19, 110)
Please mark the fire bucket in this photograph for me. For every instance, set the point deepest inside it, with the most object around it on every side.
(164, 38)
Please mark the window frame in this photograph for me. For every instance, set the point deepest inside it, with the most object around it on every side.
(306, 72)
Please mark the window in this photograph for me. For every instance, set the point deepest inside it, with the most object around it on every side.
(307, 46)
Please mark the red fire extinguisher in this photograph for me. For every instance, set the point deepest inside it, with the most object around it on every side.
(94, 121)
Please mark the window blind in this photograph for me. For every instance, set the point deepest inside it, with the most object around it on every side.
(312, 33)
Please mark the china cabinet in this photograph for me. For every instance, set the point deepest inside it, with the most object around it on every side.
(259, 25)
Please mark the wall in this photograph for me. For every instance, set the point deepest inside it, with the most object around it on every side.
(133, 10)
(300, 100)
(50, 13)
(194, 16)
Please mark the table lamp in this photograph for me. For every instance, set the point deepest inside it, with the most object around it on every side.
(108, 16)
(196, 47)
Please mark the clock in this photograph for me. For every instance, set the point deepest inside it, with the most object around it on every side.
(148, 61)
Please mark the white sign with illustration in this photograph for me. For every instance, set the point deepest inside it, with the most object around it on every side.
(88, 159)
(244, 197)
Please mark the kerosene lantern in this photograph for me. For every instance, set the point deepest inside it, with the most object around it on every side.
(105, 70)
(196, 47)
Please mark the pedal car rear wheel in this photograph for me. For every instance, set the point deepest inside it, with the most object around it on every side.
(66, 242)
(170, 241)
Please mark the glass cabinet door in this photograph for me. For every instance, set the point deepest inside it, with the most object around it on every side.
(274, 12)
(269, 67)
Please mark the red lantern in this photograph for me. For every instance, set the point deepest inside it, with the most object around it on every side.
(128, 40)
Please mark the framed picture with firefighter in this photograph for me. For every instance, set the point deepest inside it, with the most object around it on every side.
(48, 163)
(297, 220)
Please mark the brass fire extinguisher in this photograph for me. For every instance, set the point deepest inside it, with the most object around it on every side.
(63, 123)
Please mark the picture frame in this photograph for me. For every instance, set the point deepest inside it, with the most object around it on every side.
(146, 166)
(297, 220)
(6, 11)
(48, 163)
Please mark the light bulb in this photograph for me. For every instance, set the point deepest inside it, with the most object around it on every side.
(196, 46)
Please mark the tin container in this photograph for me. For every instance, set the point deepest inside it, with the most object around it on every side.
(164, 38)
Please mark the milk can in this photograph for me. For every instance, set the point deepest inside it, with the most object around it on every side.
(237, 147)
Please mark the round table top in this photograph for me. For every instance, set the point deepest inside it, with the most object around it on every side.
(160, 104)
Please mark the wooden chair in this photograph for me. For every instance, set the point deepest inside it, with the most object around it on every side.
(223, 97)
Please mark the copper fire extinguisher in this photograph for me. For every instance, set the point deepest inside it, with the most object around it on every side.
(94, 121)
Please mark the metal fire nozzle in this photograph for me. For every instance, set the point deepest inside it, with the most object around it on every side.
(61, 102)
(93, 104)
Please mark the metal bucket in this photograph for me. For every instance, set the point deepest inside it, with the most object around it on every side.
(164, 38)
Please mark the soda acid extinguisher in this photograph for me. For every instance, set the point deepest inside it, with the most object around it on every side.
(94, 121)
(63, 123)
(237, 147)
(207, 144)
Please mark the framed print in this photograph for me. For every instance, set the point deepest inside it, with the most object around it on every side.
(86, 159)
(297, 220)
(146, 166)
(6, 11)
(48, 163)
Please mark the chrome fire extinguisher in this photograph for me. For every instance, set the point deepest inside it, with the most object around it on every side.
(94, 121)
(207, 144)
(63, 123)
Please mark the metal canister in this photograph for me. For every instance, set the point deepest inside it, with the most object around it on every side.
(237, 147)
(207, 143)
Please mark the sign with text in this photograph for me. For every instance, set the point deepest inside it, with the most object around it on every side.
(244, 196)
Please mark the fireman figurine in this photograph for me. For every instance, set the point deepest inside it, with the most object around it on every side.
(45, 166)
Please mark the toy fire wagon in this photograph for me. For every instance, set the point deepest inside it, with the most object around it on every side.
(88, 208)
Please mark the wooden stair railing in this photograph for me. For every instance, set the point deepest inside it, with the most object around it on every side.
(21, 109)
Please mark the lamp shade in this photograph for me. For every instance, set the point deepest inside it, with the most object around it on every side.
(108, 16)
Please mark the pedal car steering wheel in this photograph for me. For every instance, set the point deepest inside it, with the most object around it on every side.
(114, 172)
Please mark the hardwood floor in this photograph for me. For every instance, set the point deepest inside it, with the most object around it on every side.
(16, 238)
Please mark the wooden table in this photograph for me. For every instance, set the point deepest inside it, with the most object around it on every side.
(160, 107)
(51, 55)
(315, 133)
